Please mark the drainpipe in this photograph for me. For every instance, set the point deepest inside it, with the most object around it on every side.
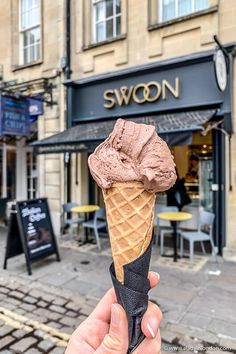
(68, 94)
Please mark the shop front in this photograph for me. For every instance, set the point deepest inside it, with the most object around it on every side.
(18, 177)
(181, 98)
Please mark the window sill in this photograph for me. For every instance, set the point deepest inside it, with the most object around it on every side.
(107, 41)
(183, 18)
(25, 66)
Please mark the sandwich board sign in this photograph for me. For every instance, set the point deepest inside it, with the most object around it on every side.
(30, 232)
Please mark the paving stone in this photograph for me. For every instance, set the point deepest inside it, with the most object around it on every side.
(28, 307)
(73, 306)
(19, 311)
(31, 300)
(23, 344)
(194, 320)
(13, 285)
(5, 352)
(4, 290)
(221, 327)
(1, 322)
(86, 309)
(46, 345)
(69, 321)
(24, 289)
(80, 319)
(42, 303)
(206, 336)
(7, 306)
(35, 293)
(13, 301)
(48, 297)
(67, 330)
(168, 336)
(54, 316)
(5, 341)
(58, 350)
(229, 343)
(33, 351)
(71, 314)
(58, 309)
(60, 301)
(55, 325)
(17, 294)
(19, 333)
(39, 333)
(4, 330)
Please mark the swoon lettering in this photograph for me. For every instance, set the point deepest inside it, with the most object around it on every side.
(141, 93)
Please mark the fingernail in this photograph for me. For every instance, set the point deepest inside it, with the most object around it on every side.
(152, 326)
(158, 275)
(115, 315)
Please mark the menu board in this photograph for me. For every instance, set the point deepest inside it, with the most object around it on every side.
(31, 226)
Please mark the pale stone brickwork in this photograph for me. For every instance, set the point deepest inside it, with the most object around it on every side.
(50, 167)
(143, 41)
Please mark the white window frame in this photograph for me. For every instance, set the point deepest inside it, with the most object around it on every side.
(22, 31)
(32, 192)
(160, 10)
(104, 20)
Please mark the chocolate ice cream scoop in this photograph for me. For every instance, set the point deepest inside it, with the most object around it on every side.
(133, 152)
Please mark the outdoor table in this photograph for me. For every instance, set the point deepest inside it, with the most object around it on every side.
(86, 209)
(175, 217)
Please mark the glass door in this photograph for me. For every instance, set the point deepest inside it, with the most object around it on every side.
(11, 172)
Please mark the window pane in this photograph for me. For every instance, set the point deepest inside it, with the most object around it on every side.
(100, 32)
(185, 7)
(109, 28)
(26, 55)
(168, 11)
(25, 39)
(201, 4)
(100, 14)
(109, 8)
(118, 25)
(118, 6)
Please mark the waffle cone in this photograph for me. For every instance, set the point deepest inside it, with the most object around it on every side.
(130, 213)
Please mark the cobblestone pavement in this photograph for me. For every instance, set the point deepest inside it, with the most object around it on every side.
(39, 312)
(34, 321)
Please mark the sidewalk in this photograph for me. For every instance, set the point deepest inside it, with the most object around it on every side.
(198, 305)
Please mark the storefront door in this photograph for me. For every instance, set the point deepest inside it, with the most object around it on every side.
(11, 172)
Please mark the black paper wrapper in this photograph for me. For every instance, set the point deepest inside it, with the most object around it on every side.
(133, 294)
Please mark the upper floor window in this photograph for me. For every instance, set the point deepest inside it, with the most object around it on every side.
(106, 19)
(171, 9)
(30, 31)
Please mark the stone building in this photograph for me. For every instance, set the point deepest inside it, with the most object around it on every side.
(153, 61)
(32, 36)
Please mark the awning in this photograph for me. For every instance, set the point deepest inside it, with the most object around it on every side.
(175, 129)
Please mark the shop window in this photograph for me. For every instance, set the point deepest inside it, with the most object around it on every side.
(30, 31)
(106, 19)
(171, 9)
(32, 175)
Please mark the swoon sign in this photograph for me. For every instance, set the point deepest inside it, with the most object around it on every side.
(141, 93)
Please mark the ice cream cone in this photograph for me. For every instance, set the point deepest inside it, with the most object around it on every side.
(130, 213)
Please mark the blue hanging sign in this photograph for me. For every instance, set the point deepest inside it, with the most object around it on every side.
(35, 106)
(14, 116)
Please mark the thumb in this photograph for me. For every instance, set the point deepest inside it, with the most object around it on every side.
(116, 341)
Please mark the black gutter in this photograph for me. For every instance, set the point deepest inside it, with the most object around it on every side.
(68, 93)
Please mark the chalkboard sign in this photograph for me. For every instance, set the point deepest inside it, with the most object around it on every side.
(30, 231)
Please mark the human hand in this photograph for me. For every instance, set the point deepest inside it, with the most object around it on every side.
(105, 331)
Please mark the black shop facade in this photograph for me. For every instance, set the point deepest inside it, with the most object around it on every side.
(181, 98)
